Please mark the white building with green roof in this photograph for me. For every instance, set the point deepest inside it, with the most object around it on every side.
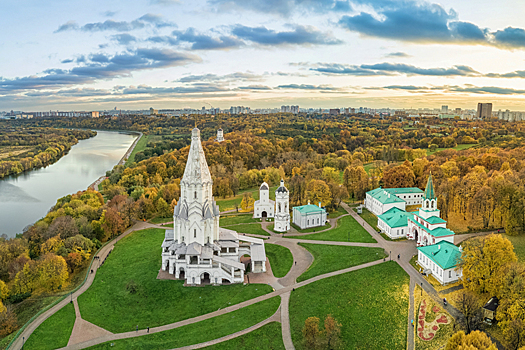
(394, 223)
(306, 216)
(381, 200)
(441, 260)
(426, 227)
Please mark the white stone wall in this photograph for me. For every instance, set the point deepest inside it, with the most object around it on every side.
(443, 276)
(308, 220)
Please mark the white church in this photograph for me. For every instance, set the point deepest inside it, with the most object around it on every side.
(279, 209)
(197, 250)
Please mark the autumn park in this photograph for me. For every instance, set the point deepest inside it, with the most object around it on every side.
(92, 260)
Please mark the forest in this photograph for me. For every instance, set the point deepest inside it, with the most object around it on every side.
(29, 147)
(478, 169)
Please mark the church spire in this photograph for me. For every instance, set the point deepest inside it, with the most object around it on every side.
(196, 166)
(429, 189)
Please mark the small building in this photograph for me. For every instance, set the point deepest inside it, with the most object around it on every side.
(380, 200)
(220, 136)
(394, 223)
(264, 206)
(489, 310)
(306, 216)
(441, 261)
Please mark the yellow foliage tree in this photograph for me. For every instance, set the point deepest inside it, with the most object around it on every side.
(311, 333)
(4, 291)
(53, 272)
(52, 245)
(318, 191)
(247, 202)
(473, 341)
(481, 261)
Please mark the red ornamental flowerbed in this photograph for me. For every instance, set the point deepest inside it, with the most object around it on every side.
(427, 330)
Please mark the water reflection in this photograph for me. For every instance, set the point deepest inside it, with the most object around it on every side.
(26, 198)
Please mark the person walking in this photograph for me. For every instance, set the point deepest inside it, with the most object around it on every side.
(148, 329)
(137, 328)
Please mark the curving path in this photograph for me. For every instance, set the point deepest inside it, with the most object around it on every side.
(283, 288)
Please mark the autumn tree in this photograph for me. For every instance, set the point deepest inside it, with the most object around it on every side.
(64, 226)
(481, 261)
(332, 333)
(247, 202)
(311, 333)
(476, 340)
(318, 191)
(511, 314)
(355, 179)
(399, 176)
(8, 322)
(468, 304)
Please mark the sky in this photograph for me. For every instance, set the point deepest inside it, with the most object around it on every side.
(137, 54)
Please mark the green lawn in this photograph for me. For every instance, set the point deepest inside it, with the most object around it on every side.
(370, 304)
(457, 148)
(328, 258)
(136, 257)
(312, 229)
(140, 146)
(267, 337)
(281, 259)
(236, 219)
(199, 332)
(160, 220)
(54, 332)
(519, 246)
(347, 230)
(337, 213)
(370, 218)
(254, 229)
(168, 225)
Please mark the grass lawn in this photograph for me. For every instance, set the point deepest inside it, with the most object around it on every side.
(312, 229)
(347, 230)
(108, 304)
(254, 229)
(371, 305)
(236, 219)
(281, 259)
(267, 337)
(457, 148)
(519, 246)
(385, 236)
(168, 225)
(337, 213)
(328, 258)
(370, 218)
(160, 220)
(140, 146)
(54, 332)
(199, 332)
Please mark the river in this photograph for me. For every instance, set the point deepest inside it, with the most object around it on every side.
(27, 197)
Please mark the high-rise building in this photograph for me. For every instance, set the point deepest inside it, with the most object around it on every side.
(484, 110)
(444, 109)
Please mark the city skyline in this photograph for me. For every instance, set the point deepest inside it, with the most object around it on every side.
(263, 54)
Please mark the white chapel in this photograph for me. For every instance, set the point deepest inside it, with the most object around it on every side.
(197, 250)
(264, 206)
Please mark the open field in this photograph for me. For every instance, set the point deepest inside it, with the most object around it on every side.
(370, 218)
(281, 259)
(337, 213)
(159, 220)
(347, 230)
(226, 220)
(54, 332)
(457, 148)
(199, 332)
(140, 146)
(328, 258)
(371, 305)
(136, 257)
(267, 337)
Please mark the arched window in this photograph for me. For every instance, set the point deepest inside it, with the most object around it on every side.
(194, 233)
(195, 195)
(427, 204)
(279, 207)
(208, 239)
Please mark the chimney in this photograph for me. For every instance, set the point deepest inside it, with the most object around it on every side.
(319, 204)
(308, 202)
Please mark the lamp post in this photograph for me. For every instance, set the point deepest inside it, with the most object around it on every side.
(71, 294)
(390, 254)
(23, 342)
(421, 289)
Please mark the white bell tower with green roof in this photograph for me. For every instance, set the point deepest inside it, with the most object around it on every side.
(429, 205)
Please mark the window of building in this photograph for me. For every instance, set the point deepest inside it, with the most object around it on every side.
(194, 233)
(195, 195)
(317, 220)
(449, 274)
(308, 222)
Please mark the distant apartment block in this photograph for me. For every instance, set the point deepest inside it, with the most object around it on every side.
(484, 110)
(290, 109)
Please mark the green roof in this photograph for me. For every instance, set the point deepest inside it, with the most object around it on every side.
(395, 217)
(403, 190)
(437, 232)
(384, 196)
(429, 190)
(444, 253)
(435, 220)
(309, 209)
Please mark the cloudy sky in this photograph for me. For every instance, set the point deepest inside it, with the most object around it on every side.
(133, 54)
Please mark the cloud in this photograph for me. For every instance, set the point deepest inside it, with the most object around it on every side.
(397, 54)
(309, 87)
(494, 90)
(121, 26)
(232, 77)
(284, 7)
(387, 69)
(515, 74)
(255, 87)
(165, 2)
(201, 41)
(110, 13)
(300, 35)
(67, 60)
(100, 66)
(124, 38)
(69, 25)
(425, 22)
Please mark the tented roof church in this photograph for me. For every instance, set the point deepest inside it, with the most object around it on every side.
(197, 250)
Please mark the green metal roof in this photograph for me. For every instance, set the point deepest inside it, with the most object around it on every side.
(437, 232)
(384, 196)
(309, 209)
(395, 217)
(435, 220)
(403, 190)
(444, 253)
(429, 189)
